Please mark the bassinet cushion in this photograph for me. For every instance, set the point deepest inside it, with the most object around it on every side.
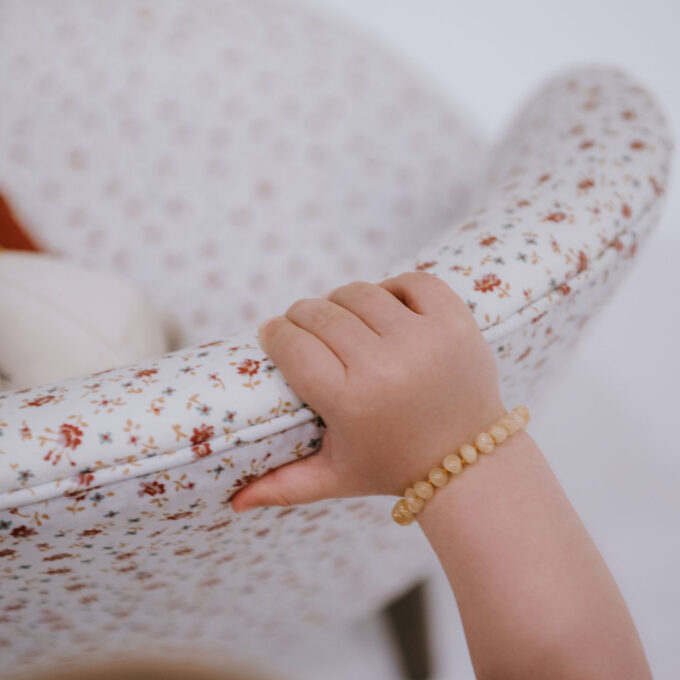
(92, 320)
(117, 485)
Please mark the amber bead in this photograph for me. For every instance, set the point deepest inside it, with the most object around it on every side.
(524, 412)
(415, 505)
(410, 493)
(498, 433)
(468, 453)
(484, 442)
(401, 514)
(519, 420)
(438, 476)
(452, 464)
(424, 489)
(509, 423)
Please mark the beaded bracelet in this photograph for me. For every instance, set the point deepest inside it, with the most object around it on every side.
(412, 503)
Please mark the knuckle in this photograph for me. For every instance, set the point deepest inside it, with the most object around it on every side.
(349, 289)
(297, 306)
(424, 277)
(320, 315)
(310, 312)
(424, 283)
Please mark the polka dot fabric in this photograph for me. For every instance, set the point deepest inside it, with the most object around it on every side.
(115, 486)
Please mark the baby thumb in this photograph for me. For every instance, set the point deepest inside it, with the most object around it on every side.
(302, 481)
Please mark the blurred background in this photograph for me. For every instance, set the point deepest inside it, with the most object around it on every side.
(607, 425)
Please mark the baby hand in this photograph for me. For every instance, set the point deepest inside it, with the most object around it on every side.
(401, 375)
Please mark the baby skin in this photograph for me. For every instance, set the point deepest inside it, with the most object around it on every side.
(402, 377)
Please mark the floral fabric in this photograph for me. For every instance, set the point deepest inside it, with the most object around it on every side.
(115, 486)
(228, 157)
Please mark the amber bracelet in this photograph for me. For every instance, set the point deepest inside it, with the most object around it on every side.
(412, 503)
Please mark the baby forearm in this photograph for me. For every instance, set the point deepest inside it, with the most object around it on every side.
(535, 596)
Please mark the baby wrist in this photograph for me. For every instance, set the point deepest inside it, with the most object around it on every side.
(416, 496)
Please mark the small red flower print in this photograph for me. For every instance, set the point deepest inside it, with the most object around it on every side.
(211, 344)
(487, 283)
(8, 552)
(425, 265)
(146, 373)
(564, 289)
(586, 184)
(628, 114)
(90, 532)
(523, 203)
(586, 144)
(180, 515)
(582, 262)
(488, 241)
(202, 434)
(40, 401)
(658, 189)
(617, 244)
(22, 532)
(69, 436)
(544, 178)
(637, 145)
(555, 217)
(625, 210)
(57, 556)
(151, 489)
(85, 478)
(201, 450)
(523, 355)
(249, 367)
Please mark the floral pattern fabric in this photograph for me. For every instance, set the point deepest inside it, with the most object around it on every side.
(115, 486)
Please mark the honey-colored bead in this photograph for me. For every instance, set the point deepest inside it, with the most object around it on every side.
(524, 412)
(410, 493)
(424, 489)
(468, 453)
(438, 476)
(509, 423)
(484, 442)
(453, 464)
(401, 514)
(415, 505)
(520, 422)
(498, 433)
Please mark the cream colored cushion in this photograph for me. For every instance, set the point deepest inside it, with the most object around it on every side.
(60, 320)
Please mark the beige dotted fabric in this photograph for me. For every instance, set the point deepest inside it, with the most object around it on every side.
(230, 157)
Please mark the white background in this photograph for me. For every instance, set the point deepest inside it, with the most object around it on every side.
(610, 424)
